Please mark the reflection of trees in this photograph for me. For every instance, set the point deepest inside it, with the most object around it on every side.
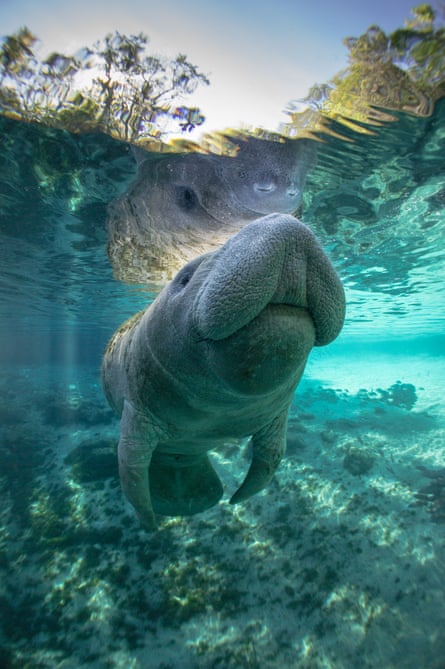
(114, 86)
(117, 87)
(402, 71)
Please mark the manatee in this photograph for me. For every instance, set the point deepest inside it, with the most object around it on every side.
(217, 357)
(181, 206)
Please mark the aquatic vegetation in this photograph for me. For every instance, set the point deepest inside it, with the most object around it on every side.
(432, 495)
(21, 462)
(192, 587)
(357, 460)
(93, 460)
(278, 582)
(46, 519)
(400, 395)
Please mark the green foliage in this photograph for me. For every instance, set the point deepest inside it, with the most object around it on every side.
(370, 47)
(402, 71)
(16, 53)
(420, 46)
(115, 86)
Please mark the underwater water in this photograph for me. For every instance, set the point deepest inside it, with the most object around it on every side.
(339, 563)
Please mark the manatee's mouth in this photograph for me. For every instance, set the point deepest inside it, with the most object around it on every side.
(265, 354)
(273, 318)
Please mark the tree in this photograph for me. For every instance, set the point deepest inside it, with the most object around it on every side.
(115, 86)
(420, 46)
(402, 71)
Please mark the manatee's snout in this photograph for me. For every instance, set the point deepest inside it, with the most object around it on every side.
(293, 192)
(274, 260)
(267, 346)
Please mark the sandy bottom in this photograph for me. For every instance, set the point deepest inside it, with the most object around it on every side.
(339, 564)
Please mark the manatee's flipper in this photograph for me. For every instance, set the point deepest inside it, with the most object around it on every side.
(268, 446)
(182, 485)
(136, 445)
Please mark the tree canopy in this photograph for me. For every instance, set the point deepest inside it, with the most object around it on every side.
(115, 86)
(402, 71)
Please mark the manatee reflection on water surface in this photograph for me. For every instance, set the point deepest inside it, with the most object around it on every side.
(180, 206)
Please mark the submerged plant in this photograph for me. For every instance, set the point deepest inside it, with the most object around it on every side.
(432, 495)
(400, 395)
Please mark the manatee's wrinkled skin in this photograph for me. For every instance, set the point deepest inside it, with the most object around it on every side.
(181, 206)
(217, 356)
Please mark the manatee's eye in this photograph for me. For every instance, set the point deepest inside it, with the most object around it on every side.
(182, 278)
(185, 275)
(185, 278)
(186, 198)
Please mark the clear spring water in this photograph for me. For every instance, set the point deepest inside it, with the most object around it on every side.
(340, 562)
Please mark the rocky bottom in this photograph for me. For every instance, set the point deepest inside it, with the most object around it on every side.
(338, 564)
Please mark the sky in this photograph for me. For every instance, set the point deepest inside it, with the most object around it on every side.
(258, 55)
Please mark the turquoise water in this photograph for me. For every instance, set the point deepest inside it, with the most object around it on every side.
(339, 563)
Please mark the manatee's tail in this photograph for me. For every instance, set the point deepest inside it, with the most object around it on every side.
(169, 484)
(182, 485)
